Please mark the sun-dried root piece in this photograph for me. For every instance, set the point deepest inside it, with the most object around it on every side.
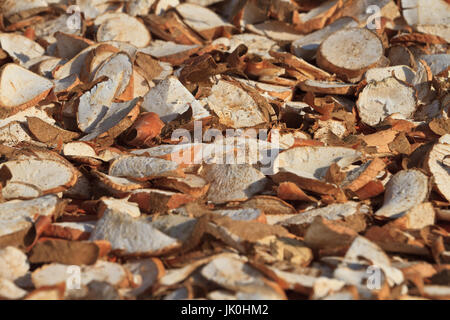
(350, 52)
(112, 205)
(70, 230)
(158, 201)
(20, 89)
(170, 99)
(206, 22)
(392, 239)
(350, 212)
(144, 168)
(378, 100)
(17, 217)
(65, 252)
(234, 274)
(327, 87)
(237, 107)
(326, 234)
(406, 189)
(308, 166)
(122, 27)
(13, 263)
(275, 30)
(400, 72)
(20, 47)
(69, 45)
(9, 290)
(316, 18)
(117, 118)
(171, 52)
(230, 182)
(306, 47)
(358, 178)
(132, 236)
(439, 63)
(103, 271)
(48, 133)
(117, 184)
(120, 68)
(290, 191)
(146, 273)
(15, 133)
(191, 184)
(32, 178)
(440, 169)
(418, 217)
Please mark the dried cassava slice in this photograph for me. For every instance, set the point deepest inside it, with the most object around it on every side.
(158, 201)
(116, 183)
(32, 178)
(118, 118)
(378, 100)
(350, 52)
(440, 169)
(191, 184)
(9, 290)
(317, 17)
(144, 168)
(103, 271)
(230, 182)
(20, 47)
(48, 133)
(306, 47)
(94, 104)
(132, 236)
(119, 67)
(308, 166)
(14, 133)
(17, 217)
(112, 205)
(327, 87)
(206, 22)
(336, 211)
(405, 189)
(423, 12)
(20, 89)
(122, 27)
(13, 263)
(235, 106)
(146, 272)
(170, 99)
(400, 72)
(69, 45)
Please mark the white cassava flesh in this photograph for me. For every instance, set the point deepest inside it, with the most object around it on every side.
(405, 189)
(20, 47)
(350, 52)
(13, 263)
(313, 162)
(20, 89)
(32, 178)
(17, 215)
(381, 99)
(234, 106)
(233, 182)
(104, 271)
(132, 236)
(170, 99)
(143, 168)
(122, 27)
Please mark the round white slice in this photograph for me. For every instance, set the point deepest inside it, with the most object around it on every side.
(378, 100)
(439, 168)
(20, 47)
(350, 52)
